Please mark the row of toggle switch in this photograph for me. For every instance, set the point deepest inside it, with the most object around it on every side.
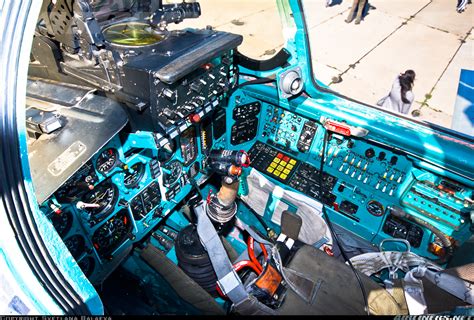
(358, 168)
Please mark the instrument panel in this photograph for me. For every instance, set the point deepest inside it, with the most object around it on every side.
(361, 178)
(138, 176)
(120, 195)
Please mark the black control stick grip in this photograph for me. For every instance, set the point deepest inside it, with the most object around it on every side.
(176, 13)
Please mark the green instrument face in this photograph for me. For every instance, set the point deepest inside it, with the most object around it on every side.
(133, 34)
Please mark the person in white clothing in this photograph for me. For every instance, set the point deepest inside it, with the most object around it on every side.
(401, 96)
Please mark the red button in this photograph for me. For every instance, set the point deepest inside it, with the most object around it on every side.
(286, 159)
(279, 156)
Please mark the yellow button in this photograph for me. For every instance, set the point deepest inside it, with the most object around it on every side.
(280, 168)
(273, 165)
(293, 161)
(277, 173)
(283, 163)
(276, 160)
(290, 166)
(283, 176)
(270, 170)
(286, 171)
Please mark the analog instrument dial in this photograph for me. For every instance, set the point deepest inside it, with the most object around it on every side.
(107, 160)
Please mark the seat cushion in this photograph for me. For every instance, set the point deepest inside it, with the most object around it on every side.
(339, 292)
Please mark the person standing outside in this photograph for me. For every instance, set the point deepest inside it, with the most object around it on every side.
(358, 9)
(401, 96)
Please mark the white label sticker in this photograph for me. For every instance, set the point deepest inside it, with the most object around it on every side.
(67, 158)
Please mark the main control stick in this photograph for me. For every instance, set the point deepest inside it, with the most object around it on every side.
(228, 163)
(221, 207)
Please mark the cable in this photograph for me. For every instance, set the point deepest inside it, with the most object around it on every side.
(249, 75)
(253, 258)
(334, 235)
(270, 232)
(264, 251)
(255, 81)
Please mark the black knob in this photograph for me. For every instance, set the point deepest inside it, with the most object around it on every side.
(350, 143)
(393, 160)
(369, 153)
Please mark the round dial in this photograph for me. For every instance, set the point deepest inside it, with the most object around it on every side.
(370, 153)
(107, 160)
(104, 197)
(112, 233)
(62, 222)
(375, 208)
(134, 176)
(172, 172)
(80, 183)
(87, 265)
(76, 245)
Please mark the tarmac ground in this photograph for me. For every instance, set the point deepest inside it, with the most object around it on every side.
(362, 61)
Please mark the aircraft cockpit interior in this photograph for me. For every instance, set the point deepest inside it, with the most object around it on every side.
(179, 176)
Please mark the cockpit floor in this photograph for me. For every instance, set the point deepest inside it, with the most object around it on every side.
(136, 289)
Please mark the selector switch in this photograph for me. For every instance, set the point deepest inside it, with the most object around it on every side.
(196, 87)
(169, 94)
(169, 114)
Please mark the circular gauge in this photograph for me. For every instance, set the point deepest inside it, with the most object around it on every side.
(112, 233)
(107, 160)
(375, 208)
(78, 184)
(104, 197)
(62, 222)
(76, 245)
(132, 34)
(172, 172)
(134, 176)
(87, 265)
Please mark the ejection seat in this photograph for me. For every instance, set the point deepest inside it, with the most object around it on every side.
(337, 291)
